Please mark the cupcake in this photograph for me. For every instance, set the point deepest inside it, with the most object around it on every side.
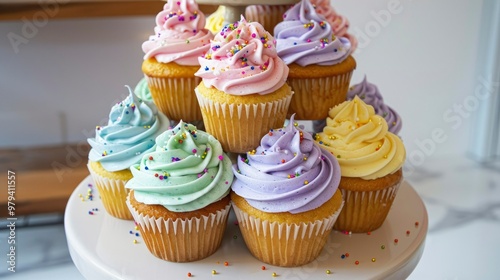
(132, 128)
(370, 159)
(243, 92)
(180, 194)
(320, 64)
(370, 94)
(171, 59)
(286, 197)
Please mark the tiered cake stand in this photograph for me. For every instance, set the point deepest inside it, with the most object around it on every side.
(235, 8)
(103, 247)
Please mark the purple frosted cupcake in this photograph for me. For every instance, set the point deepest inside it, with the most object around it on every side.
(286, 197)
(370, 94)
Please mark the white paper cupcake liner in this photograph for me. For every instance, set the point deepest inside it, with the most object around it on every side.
(175, 97)
(284, 244)
(239, 127)
(267, 15)
(113, 195)
(365, 211)
(314, 97)
(182, 240)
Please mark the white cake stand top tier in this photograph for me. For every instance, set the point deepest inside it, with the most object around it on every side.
(235, 8)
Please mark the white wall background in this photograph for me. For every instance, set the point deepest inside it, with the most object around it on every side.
(63, 80)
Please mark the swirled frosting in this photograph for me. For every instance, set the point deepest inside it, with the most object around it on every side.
(305, 37)
(215, 21)
(180, 34)
(288, 172)
(131, 131)
(339, 23)
(370, 94)
(187, 171)
(242, 60)
(360, 140)
(142, 90)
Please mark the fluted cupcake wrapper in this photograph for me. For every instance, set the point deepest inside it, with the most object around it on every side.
(113, 195)
(283, 244)
(314, 97)
(365, 211)
(267, 15)
(239, 127)
(175, 97)
(182, 240)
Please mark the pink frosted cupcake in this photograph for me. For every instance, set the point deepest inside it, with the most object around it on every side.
(243, 92)
(171, 59)
(339, 23)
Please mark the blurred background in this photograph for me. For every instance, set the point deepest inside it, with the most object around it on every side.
(63, 64)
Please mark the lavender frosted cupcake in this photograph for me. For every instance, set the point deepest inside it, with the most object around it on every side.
(320, 63)
(286, 197)
(370, 94)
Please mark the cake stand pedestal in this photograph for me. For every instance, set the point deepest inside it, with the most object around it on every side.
(235, 8)
(103, 247)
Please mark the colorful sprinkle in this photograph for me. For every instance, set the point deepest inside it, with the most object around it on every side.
(226, 263)
(328, 271)
(214, 271)
(263, 267)
(374, 260)
(356, 262)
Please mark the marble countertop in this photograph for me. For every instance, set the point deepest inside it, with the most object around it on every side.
(462, 200)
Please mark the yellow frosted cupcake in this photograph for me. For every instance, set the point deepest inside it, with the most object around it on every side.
(180, 195)
(371, 160)
(320, 63)
(286, 197)
(243, 92)
(132, 128)
(171, 59)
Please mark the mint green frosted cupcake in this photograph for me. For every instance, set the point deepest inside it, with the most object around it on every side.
(179, 194)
